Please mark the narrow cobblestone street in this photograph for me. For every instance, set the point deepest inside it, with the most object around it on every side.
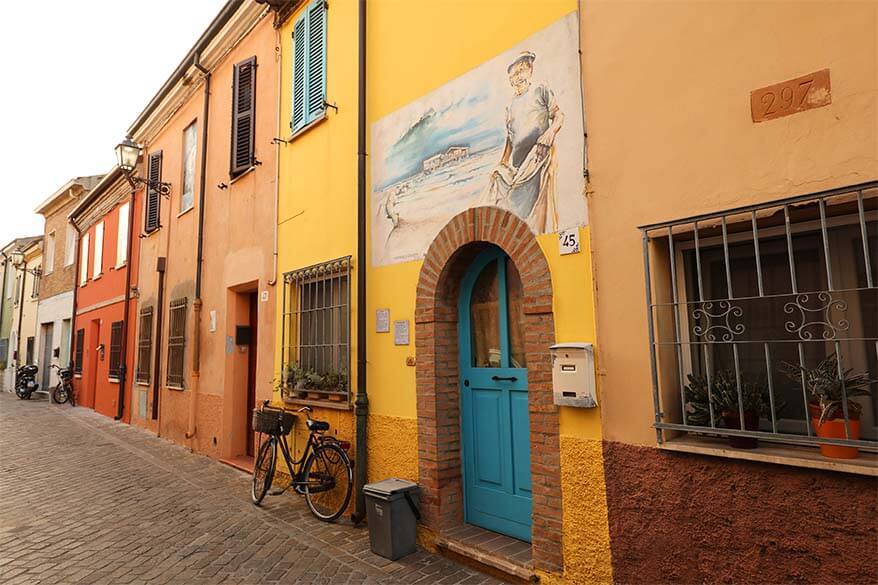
(84, 499)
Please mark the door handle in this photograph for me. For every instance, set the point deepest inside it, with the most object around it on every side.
(504, 378)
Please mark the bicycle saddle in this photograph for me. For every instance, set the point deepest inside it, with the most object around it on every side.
(318, 425)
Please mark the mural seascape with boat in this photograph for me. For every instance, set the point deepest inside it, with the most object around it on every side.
(507, 133)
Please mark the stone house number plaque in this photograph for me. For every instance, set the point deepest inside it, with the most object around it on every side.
(790, 97)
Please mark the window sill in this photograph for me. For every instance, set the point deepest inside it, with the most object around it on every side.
(144, 384)
(241, 175)
(98, 277)
(185, 211)
(807, 457)
(119, 266)
(343, 405)
(307, 127)
(78, 376)
(149, 234)
(175, 388)
(113, 380)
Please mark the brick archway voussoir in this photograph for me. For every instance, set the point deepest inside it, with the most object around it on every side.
(437, 368)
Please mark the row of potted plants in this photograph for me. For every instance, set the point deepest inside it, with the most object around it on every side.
(826, 403)
(299, 382)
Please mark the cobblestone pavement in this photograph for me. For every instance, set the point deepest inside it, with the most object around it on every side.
(84, 499)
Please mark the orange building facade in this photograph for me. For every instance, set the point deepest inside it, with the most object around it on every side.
(206, 282)
(105, 275)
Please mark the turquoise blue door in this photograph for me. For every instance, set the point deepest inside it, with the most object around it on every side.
(493, 383)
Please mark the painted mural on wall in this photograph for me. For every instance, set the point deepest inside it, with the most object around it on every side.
(508, 133)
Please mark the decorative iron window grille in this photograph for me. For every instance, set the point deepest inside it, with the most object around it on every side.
(144, 346)
(78, 350)
(176, 342)
(744, 303)
(115, 349)
(315, 357)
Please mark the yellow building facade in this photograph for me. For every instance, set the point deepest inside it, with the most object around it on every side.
(435, 206)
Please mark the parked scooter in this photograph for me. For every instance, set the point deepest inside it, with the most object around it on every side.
(26, 381)
(64, 390)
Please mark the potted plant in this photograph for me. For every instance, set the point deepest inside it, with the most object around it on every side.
(827, 402)
(302, 383)
(723, 393)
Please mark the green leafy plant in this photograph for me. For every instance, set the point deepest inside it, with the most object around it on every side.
(297, 378)
(824, 385)
(723, 392)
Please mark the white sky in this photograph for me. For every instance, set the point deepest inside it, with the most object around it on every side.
(75, 76)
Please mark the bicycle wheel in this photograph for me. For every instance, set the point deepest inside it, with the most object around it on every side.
(263, 470)
(329, 482)
(60, 394)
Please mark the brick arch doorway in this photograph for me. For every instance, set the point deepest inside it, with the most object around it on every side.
(438, 373)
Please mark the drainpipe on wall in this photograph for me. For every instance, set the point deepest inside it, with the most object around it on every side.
(123, 367)
(76, 253)
(20, 315)
(362, 402)
(196, 304)
(278, 61)
(161, 263)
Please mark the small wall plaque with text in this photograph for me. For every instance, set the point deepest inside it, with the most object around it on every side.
(792, 96)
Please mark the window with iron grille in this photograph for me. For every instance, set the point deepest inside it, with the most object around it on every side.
(144, 346)
(77, 351)
(764, 321)
(115, 349)
(176, 342)
(316, 332)
(29, 355)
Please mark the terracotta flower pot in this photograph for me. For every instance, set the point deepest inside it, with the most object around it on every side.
(732, 419)
(834, 428)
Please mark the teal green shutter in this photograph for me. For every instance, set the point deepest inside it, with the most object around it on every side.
(316, 60)
(309, 65)
(299, 42)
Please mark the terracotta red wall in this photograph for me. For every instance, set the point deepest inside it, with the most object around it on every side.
(682, 518)
(93, 388)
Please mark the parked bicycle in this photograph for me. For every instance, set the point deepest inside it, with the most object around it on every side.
(323, 474)
(64, 390)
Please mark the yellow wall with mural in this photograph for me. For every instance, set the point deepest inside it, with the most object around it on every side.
(317, 222)
(403, 65)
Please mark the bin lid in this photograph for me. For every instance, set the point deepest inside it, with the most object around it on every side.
(389, 487)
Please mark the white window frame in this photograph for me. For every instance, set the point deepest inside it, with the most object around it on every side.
(122, 235)
(70, 246)
(98, 259)
(83, 260)
(189, 165)
(50, 253)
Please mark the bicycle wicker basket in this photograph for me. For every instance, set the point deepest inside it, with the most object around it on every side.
(272, 421)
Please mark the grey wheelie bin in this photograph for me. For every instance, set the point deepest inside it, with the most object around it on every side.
(392, 513)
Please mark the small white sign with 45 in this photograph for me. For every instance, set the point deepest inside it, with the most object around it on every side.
(568, 241)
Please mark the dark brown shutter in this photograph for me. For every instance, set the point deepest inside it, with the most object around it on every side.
(153, 196)
(176, 342)
(115, 349)
(243, 115)
(77, 355)
(144, 345)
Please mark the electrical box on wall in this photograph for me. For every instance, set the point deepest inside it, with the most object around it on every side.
(573, 375)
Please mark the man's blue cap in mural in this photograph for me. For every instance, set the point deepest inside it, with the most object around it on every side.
(525, 56)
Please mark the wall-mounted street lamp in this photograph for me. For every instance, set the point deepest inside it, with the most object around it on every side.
(128, 153)
(18, 262)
